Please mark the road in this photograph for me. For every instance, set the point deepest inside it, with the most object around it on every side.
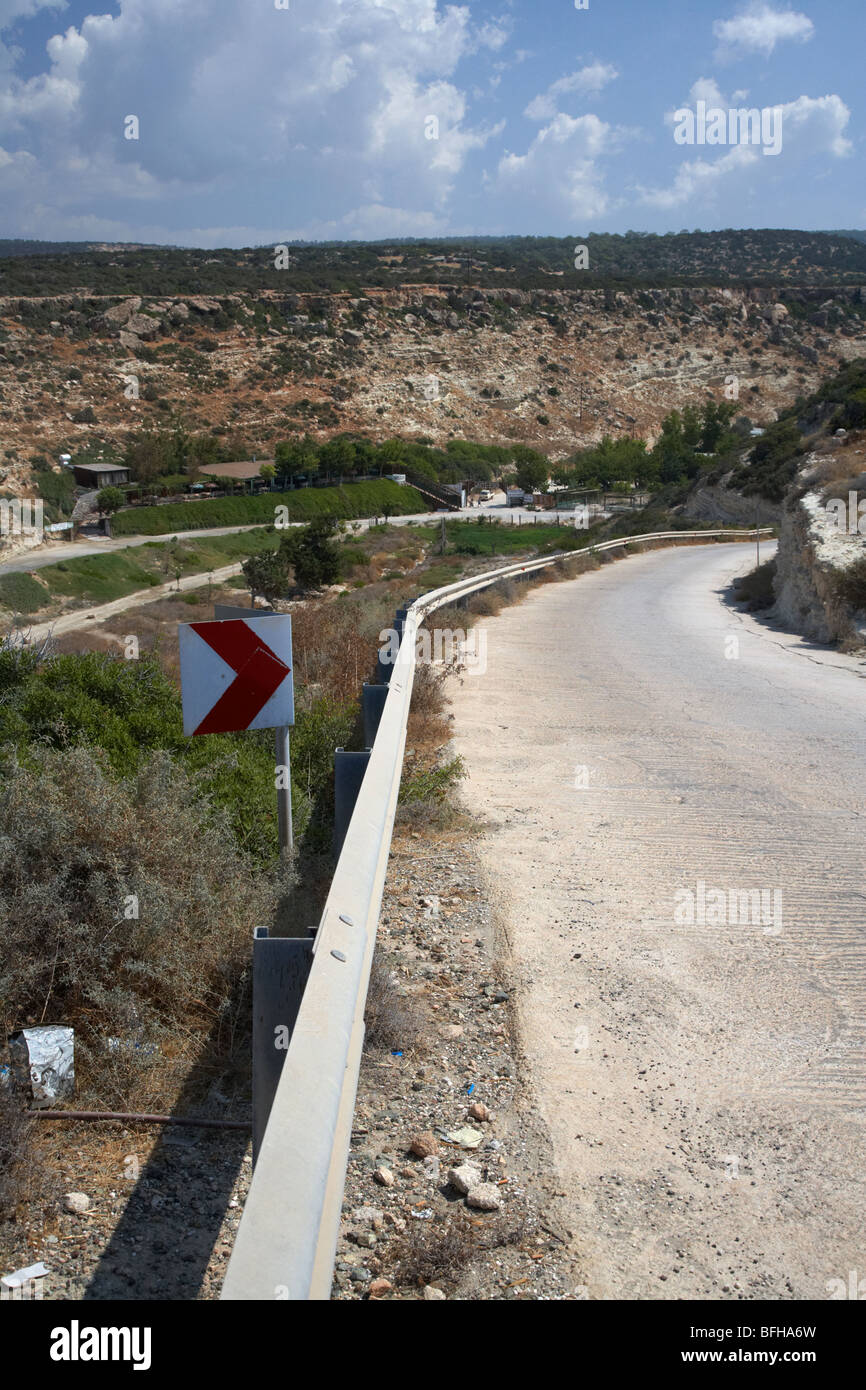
(701, 1076)
(26, 561)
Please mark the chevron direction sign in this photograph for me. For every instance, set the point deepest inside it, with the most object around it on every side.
(237, 674)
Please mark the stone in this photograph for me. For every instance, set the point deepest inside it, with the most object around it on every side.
(464, 1178)
(433, 1295)
(431, 1166)
(478, 1111)
(368, 1216)
(384, 1177)
(484, 1197)
(120, 313)
(422, 1145)
(143, 326)
(353, 337)
(77, 1202)
(379, 1287)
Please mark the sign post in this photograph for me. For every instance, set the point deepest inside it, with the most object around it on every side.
(237, 674)
(284, 789)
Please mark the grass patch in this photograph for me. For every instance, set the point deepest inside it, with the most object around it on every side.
(103, 578)
(21, 593)
(304, 504)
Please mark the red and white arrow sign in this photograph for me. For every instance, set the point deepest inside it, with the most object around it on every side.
(237, 674)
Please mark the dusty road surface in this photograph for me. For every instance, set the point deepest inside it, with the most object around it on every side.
(698, 1054)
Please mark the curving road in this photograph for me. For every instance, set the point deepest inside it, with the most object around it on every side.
(698, 1055)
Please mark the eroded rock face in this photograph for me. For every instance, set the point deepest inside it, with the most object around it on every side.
(720, 503)
(504, 365)
(812, 555)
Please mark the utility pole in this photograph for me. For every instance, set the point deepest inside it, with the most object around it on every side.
(757, 534)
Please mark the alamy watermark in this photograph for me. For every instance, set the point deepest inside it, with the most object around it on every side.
(713, 125)
(443, 646)
(21, 516)
(732, 907)
(850, 516)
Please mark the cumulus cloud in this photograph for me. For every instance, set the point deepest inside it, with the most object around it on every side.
(249, 105)
(758, 29)
(587, 81)
(811, 127)
(560, 174)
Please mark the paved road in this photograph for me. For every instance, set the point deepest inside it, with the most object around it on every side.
(703, 1079)
(25, 561)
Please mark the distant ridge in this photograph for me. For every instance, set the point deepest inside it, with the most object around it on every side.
(736, 257)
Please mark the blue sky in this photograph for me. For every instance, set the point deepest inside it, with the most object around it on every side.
(381, 118)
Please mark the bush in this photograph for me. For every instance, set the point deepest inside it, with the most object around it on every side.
(756, 588)
(434, 784)
(126, 908)
(850, 586)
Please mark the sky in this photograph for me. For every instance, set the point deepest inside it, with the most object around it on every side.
(249, 122)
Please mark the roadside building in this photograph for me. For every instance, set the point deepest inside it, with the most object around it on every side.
(99, 475)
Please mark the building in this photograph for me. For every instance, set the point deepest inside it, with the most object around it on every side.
(100, 475)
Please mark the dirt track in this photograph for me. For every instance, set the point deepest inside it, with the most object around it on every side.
(703, 1084)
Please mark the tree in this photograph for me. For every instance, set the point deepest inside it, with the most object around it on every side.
(337, 456)
(109, 500)
(296, 456)
(306, 550)
(268, 574)
(533, 469)
(311, 553)
(268, 472)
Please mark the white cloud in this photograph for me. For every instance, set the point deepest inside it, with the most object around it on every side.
(758, 29)
(700, 178)
(706, 89)
(810, 126)
(495, 34)
(559, 175)
(238, 105)
(12, 10)
(587, 81)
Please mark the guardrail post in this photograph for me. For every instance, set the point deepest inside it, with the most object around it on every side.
(373, 699)
(281, 965)
(349, 769)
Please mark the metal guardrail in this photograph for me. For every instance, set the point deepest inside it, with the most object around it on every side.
(286, 1241)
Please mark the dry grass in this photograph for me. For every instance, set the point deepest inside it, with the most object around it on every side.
(755, 589)
(79, 853)
(441, 1251)
(849, 586)
(437, 1251)
(393, 1019)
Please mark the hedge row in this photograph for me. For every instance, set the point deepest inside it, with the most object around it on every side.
(355, 500)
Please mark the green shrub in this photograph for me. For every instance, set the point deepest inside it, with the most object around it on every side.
(435, 783)
(304, 504)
